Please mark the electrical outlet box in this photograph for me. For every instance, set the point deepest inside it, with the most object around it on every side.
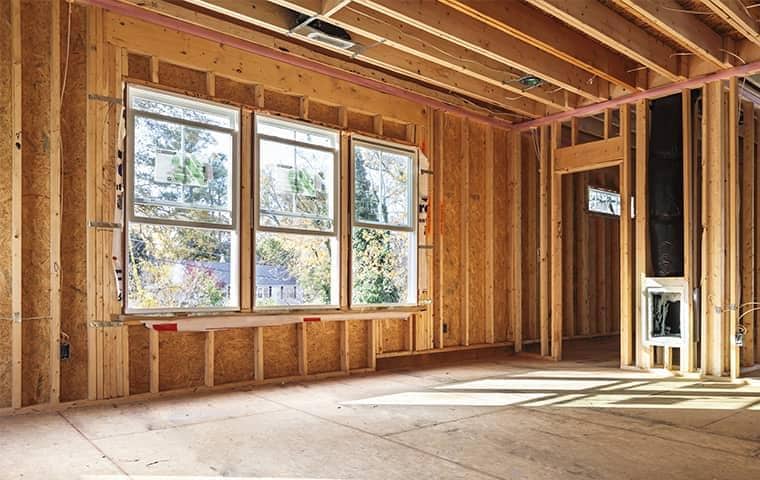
(65, 351)
(445, 328)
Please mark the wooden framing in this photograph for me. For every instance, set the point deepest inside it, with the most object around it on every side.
(644, 354)
(627, 317)
(544, 229)
(733, 213)
(515, 163)
(748, 231)
(736, 15)
(688, 356)
(589, 156)
(555, 232)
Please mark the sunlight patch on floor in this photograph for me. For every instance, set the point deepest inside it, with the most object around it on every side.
(455, 399)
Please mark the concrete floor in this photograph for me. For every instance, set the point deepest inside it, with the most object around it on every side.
(503, 417)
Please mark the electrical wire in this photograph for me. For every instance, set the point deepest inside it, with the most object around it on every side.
(681, 10)
(68, 51)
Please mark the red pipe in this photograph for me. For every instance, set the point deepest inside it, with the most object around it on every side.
(214, 36)
(661, 91)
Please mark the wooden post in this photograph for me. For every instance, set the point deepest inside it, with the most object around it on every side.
(643, 353)
(489, 234)
(465, 233)
(303, 350)
(258, 354)
(246, 207)
(16, 210)
(208, 374)
(626, 257)
(556, 248)
(687, 353)
(713, 227)
(733, 228)
(55, 202)
(543, 236)
(153, 351)
(372, 344)
(515, 182)
(344, 346)
(747, 263)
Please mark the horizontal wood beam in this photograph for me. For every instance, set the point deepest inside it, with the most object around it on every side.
(612, 29)
(534, 28)
(737, 15)
(589, 156)
(277, 19)
(466, 31)
(685, 29)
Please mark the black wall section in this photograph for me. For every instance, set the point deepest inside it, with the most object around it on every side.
(665, 187)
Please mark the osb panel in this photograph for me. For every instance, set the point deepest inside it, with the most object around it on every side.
(35, 361)
(74, 210)
(139, 359)
(358, 338)
(395, 130)
(233, 355)
(5, 363)
(502, 241)
(282, 103)
(324, 113)
(361, 122)
(238, 92)
(181, 359)
(323, 346)
(35, 36)
(451, 229)
(139, 67)
(476, 233)
(530, 236)
(6, 147)
(280, 351)
(180, 77)
(395, 334)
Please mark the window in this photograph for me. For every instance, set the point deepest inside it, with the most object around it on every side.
(383, 241)
(603, 201)
(182, 210)
(296, 220)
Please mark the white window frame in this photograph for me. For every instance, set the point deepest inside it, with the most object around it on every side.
(335, 286)
(411, 228)
(234, 227)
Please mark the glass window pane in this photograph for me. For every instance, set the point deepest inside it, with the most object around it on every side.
(382, 186)
(296, 186)
(296, 269)
(181, 267)
(297, 132)
(182, 173)
(182, 108)
(380, 265)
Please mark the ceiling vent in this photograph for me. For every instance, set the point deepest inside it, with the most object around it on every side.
(323, 32)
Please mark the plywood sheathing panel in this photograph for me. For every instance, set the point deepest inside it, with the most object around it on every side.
(139, 360)
(35, 44)
(182, 78)
(452, 281)
(322, 346)
(358, 338)
(74, 209)
(188, 369)
(475, 207)
(502, 242)
(139, 67)
(323, 113)
(233, 355)
(6, 147)
(280, 351)
(393, 335)
(360, 121)
(282, 103)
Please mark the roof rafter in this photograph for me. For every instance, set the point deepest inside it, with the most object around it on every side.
(612, 29)
(277, 19)
(456, 27)
(534, 28)
(736, 14)
(684, 28)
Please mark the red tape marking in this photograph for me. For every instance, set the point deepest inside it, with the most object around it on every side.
(312, 319)
(165, 327)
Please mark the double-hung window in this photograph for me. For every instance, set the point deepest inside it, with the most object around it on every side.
(297, 180)
(383, 237)
(182, 203)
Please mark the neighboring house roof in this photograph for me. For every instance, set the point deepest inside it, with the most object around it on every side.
(273, 275)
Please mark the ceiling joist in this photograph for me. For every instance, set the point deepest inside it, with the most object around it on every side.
(737, 15)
